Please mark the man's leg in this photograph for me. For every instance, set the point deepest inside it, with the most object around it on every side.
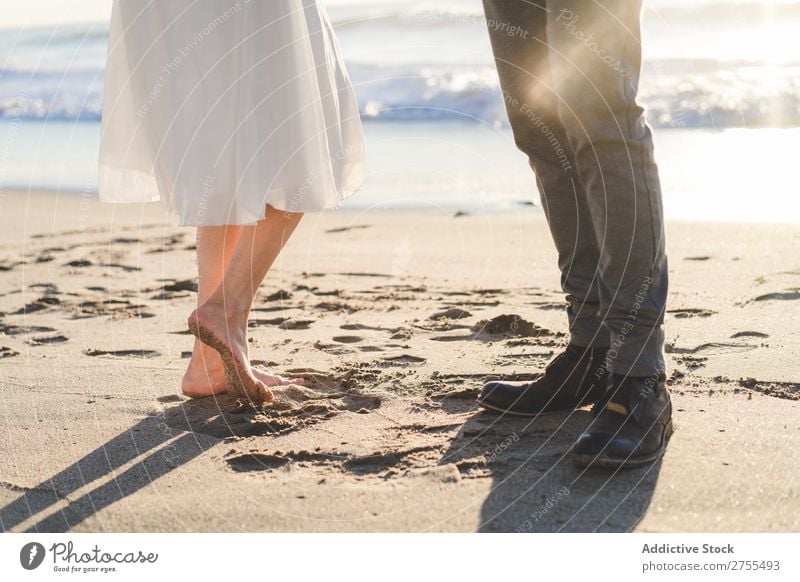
(519, 40)
(595, 54)
(517, 30)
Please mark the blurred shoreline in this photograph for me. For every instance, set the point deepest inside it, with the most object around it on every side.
(730, 175)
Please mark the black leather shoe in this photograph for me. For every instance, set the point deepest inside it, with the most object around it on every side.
(631, 424)
(569, 381)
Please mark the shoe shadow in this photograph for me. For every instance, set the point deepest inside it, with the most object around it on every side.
(127, 463)
(535, 486)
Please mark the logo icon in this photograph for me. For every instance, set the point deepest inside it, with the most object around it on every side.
(31, 555)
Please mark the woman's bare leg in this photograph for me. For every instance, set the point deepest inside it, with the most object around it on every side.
(215, 246)
(221, 319)
(205, 374)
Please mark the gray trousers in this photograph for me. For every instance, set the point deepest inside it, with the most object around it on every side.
(569, 72)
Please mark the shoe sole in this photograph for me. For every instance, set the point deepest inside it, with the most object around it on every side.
(526, 414)
(603, 461)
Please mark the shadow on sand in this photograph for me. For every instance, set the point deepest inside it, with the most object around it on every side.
(535, 486)
(125, 464)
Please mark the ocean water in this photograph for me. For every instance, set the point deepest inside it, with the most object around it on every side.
(721, 84)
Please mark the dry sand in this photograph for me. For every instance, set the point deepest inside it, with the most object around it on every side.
(379, 311)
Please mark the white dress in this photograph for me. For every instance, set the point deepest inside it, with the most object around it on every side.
(219, 107)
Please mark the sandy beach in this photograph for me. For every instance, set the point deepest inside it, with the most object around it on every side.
(394, 319)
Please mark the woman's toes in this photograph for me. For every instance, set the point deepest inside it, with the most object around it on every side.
(264, 393)
(285, 381)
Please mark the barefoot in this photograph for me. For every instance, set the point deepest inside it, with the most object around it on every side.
(199, 382)
(273, 380)
(228, 336)
(205, 374)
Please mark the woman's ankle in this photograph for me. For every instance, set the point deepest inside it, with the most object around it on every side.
(232, 308)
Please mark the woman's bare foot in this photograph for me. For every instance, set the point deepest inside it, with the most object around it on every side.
(205, 375)
(226, 333)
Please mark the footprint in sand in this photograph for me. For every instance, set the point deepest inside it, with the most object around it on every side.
(170, 398)
(512, 325)
(174, 289)
(333, 349)
(749, 334)
(692, 362)
(347, 228)
(363, 274)
(379, 463)
(549, 305)
(169, 296)
(282, 322)
(69, 232)
(333, 306)
(331, 293)
(499, 327)
(39, 304)
(789, 295)
(126, 268)
(402, 335)
(280, 295)
(117, 308)
(348, 339)
(79, 263)
(122, 353)
(266, 364)
(47, 288)
(490, 291)
(166, 244)
(46, 340)
(691, 312)
(364, 327)
(273, 308)
(370, 349)
(368, 464)
(257, 461)
(297, 324)
(452, 313)
(247, 462)
(294, 408)
(6, 352)
(23, 330)
(477, 303)
(403, 360)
